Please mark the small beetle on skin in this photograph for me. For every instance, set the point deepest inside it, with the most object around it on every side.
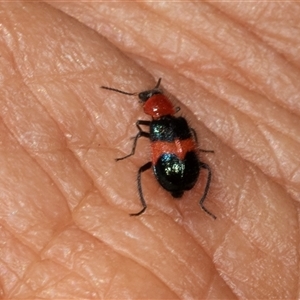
(173, 142)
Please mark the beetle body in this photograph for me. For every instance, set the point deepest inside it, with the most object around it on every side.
(174, 160)
(174, 157)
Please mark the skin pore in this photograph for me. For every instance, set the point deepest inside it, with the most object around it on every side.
(65, 227)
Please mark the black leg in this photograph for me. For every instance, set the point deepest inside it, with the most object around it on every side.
(207, 151)
(205, 166)
(142, 169)
(194, 134)
(141, 133)
(142, 122)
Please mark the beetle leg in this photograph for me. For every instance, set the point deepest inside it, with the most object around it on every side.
(205, 166)
(196, 139)
(142, 169)
(141, 133)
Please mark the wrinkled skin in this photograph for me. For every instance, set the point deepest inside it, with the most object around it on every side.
(65, 229)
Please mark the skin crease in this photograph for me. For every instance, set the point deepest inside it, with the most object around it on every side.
(64, 223)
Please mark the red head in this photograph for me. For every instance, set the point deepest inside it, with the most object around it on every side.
(155, 103)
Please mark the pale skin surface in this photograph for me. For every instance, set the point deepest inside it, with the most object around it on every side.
(64, 223)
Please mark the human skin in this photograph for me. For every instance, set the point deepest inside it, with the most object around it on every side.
(65, 227)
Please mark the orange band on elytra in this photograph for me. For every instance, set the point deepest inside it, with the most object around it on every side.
(177, 147)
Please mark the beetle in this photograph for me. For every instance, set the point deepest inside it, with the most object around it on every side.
(174, 147)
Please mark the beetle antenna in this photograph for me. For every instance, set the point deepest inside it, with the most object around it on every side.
(126, 93)
(118, 91)
(158, 83)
